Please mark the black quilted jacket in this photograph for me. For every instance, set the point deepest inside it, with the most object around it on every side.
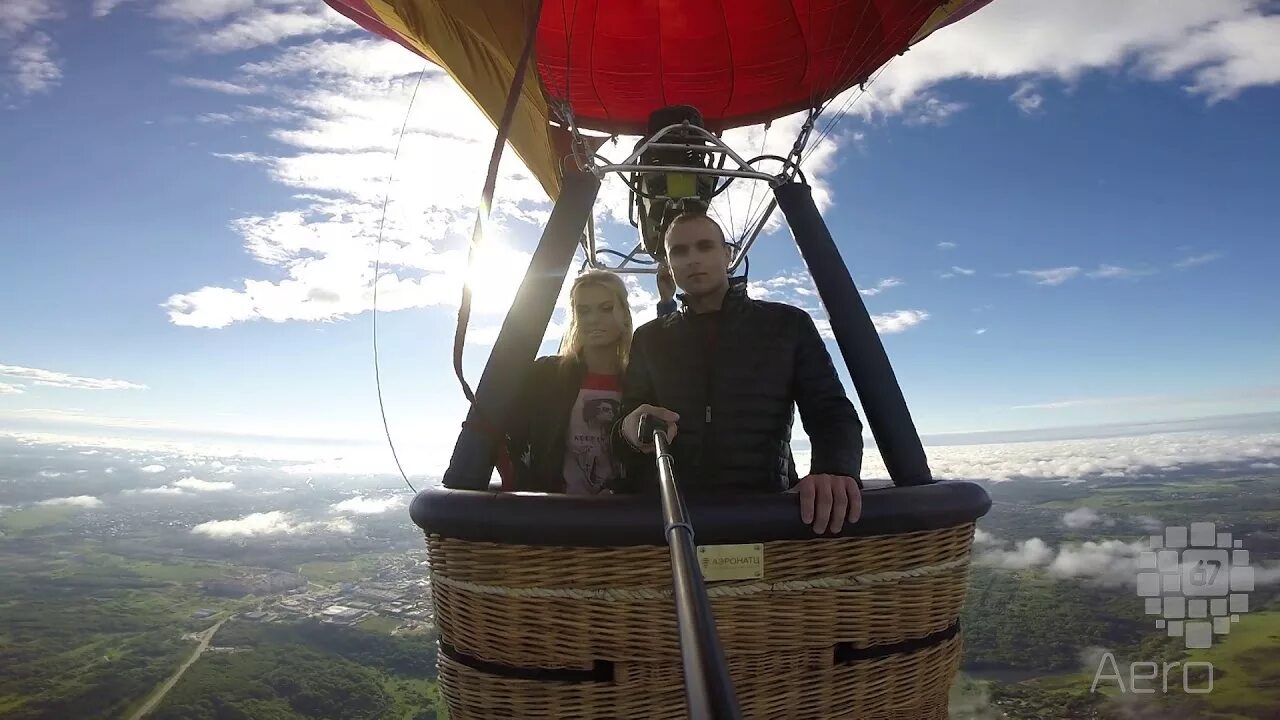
(736, 398)
(539, 421)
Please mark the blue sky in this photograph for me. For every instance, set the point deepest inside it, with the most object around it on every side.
(1055, 224)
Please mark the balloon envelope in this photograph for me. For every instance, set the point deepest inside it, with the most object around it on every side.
(613, 62)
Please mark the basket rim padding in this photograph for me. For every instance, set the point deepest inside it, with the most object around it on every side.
(552, 519)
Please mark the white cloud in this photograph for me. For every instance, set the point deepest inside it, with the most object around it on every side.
(1118, 272)
(1085, 517)
(1110, 562)
(1069, 460)
(886, 323)
(1052, 276)
(10, 389)
(982, 537)
(194, 483)
(340, 121)
(268, 523)
(980, 331)
(345, 121)
(794, 288)
(898, 321)
(1195, 260)
(28, 51)
(248, 113)
(1149, 523)
(366, 59)
(932, 111)
(221, 86)
(53, 378)
(881, 286)
(80, 501)
(947, 245)
(162, 490)
(103, 8)
(1227, 56)
(1026, 98)
(275, 522)
(1025, 554)
(19, 16)
(1216, 48)
(32, 66)
(196, 11)
(153, 469)
(221, 26)
(260, 26)
(957, 270)
(368, 506)
(341, 526)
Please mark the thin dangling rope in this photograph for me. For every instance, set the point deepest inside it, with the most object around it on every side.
(486, 195)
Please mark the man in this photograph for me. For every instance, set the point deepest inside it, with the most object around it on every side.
(724, 374)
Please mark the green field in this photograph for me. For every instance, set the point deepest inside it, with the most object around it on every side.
(85, 633)
(335, 571)
(1024, 630)
(89, 633)
(379, 624)
(1246, 667)
(23, 522)
(307, 670)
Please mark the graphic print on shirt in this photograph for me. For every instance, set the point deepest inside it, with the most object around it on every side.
(588, 462)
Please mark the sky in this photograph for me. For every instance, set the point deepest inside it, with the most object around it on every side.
(1058, 214)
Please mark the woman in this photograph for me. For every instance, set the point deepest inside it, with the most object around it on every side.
(559, 435)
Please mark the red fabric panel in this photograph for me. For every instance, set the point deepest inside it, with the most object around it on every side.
(737, 61)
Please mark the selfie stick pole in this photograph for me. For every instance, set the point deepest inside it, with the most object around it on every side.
(709, 690)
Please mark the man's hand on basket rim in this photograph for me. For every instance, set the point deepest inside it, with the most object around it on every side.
(827, 501)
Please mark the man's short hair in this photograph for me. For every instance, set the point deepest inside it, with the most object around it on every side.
(690, 215)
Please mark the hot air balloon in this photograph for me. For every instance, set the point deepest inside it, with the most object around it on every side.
(552, 606)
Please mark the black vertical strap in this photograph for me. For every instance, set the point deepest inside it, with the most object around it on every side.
(860, 344)
(526, 322)
(486, 194)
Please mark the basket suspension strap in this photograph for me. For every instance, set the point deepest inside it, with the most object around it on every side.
(504, 463)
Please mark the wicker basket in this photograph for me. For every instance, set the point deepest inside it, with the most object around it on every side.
(849, 627)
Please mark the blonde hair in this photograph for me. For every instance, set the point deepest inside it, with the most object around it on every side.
(571, 344)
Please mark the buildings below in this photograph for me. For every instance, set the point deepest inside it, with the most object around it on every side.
(398, 590)
(255, 584)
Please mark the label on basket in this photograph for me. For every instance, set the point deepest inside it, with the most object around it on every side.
(731, 562)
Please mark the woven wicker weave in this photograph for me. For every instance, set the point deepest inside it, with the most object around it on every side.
(584, 608)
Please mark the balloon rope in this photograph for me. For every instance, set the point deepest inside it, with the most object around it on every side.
(846, 74)
(377, 269)
(486, 195)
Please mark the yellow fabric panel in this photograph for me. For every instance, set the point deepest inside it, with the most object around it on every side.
(479, 42)
(939, 17)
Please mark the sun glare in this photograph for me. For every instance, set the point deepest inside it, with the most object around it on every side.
(495, 277)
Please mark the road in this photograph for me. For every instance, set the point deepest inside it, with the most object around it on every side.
(164, 689)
